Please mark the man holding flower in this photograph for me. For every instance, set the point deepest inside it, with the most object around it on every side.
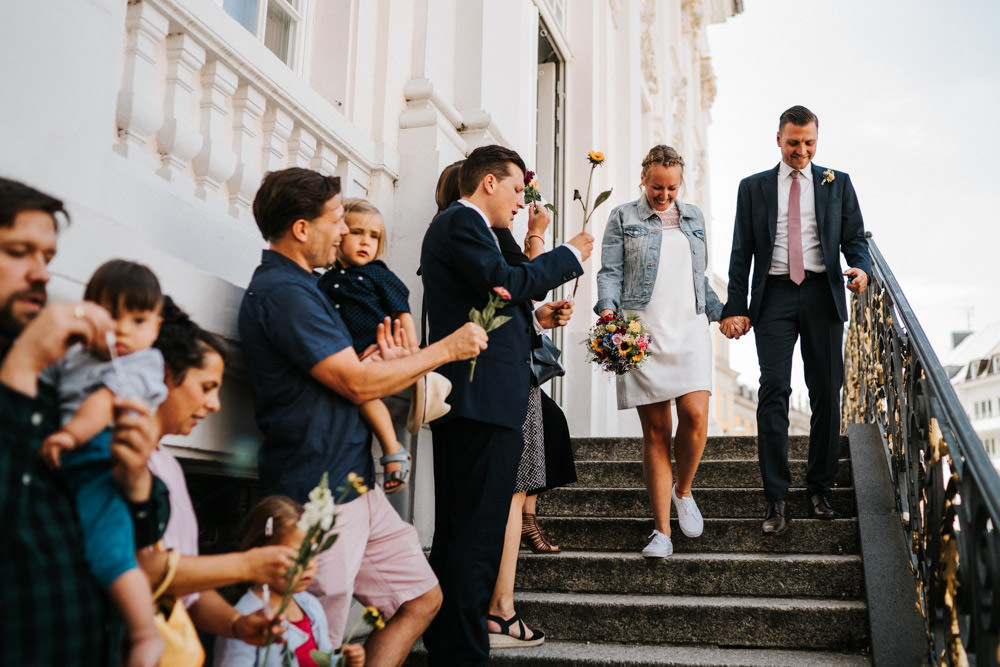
(308, 382)
(477, 446)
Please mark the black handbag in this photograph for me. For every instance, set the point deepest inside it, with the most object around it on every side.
(545, 363)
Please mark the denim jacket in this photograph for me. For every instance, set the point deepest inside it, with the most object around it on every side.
(630, 257)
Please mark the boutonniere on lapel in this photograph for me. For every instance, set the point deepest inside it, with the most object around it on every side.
(827, 177)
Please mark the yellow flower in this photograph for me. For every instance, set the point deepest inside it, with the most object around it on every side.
(357, 483)
(612, 328)
(596, 344)
(624, 347)
(533, 184)
(373, 617)
(634, 326)
(637, 357)
(595, 157)
(828, 176)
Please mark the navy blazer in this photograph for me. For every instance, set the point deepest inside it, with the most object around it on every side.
(460, 264)
(841, 229)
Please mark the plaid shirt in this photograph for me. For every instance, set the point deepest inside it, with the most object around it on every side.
(54, 612)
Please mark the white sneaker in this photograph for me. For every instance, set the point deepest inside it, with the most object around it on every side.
(659, 545)
(688, 514)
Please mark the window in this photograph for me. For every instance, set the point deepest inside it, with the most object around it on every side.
(275, 22)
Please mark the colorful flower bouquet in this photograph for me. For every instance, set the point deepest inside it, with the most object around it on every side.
(618, 344)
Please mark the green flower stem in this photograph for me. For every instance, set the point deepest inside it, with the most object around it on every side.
(586, 200)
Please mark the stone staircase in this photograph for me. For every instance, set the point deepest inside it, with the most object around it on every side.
(729, 597)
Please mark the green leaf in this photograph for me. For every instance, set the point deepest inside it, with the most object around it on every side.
(552, 208)
(329, 542)
(497, 321)
(322, 659)
(601, 198)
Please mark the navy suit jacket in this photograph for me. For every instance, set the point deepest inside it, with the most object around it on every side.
(460, 264)
(841, 230)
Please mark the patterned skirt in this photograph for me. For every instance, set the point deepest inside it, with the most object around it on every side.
(531, 471)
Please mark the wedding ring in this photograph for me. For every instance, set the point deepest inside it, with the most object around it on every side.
(78, 311)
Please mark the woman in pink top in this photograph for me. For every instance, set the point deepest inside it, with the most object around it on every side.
(195, 361)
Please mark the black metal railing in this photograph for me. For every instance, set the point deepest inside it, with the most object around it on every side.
(947, 491)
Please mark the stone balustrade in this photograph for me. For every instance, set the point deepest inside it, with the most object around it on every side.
(206, 106)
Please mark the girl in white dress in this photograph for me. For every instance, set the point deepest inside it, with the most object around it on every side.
(653, 263)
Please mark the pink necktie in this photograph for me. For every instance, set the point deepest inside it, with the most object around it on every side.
(796, 270)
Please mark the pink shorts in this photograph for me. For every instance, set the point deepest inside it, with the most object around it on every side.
(377, 559)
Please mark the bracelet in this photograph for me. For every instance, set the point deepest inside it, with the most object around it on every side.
(232, 624)
(528, 238)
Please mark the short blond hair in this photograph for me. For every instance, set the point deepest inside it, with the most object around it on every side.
(365, 207)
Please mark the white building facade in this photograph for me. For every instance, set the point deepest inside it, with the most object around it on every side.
(155, 120)
(974, 368)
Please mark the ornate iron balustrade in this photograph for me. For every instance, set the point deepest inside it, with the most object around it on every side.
(947, 492)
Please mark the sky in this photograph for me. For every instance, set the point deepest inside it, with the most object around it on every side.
(908, 99)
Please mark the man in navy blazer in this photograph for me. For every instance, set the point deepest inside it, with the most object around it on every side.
(477, 446)
(793, 221)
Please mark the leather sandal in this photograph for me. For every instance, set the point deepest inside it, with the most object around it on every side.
(504, 639)
(395, 481)
(531, 536)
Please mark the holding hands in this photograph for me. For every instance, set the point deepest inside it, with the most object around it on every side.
(734, 326)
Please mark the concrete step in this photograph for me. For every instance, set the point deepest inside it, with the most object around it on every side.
(759, 575)
(718, 447)
(787, 623)
(738, 473)
(804, 536)
(554, 653)
(715, 503)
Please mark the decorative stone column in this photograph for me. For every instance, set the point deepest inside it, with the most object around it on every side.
(178, 141)
(215, 163)
(138, 115)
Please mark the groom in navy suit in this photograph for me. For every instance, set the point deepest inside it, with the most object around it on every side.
(477, 446)
(794, 221)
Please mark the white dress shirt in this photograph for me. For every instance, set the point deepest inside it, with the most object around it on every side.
(812, 253)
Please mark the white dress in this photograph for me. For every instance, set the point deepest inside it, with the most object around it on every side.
(680, 349)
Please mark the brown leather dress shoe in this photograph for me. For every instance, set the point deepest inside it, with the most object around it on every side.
(775, 518)
(821, 508)
(531, 536)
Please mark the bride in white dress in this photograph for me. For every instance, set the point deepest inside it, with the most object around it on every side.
(653, 263)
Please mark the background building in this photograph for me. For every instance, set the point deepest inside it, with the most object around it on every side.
(974, 368)
(155, 120)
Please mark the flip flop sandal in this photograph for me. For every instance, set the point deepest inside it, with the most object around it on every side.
(395, 481)
(504, 639)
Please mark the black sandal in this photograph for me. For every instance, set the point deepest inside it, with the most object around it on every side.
(504, 639)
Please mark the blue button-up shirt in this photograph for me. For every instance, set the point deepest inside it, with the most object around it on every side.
(287, 327)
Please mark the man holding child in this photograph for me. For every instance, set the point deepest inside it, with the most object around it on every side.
(308, 382)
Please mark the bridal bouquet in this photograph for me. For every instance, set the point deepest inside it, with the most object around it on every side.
(618, 344)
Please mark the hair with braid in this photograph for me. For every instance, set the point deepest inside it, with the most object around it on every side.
(662, 155)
